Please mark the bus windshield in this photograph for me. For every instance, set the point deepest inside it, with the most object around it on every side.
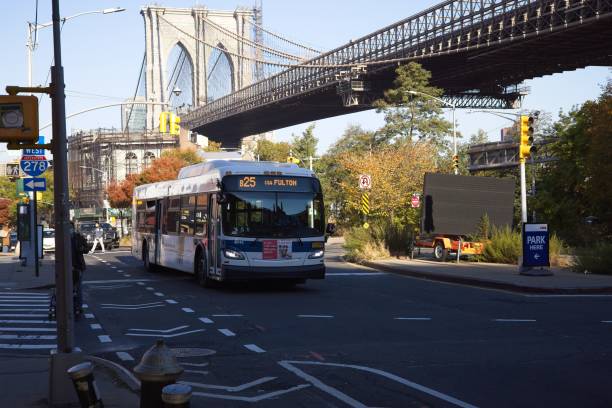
(273, 215)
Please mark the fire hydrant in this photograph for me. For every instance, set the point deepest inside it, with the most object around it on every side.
(85, 385)
(157, 368)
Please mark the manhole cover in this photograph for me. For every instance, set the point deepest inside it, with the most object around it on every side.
(192, 352)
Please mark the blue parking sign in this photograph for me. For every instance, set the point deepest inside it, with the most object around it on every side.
(535, 245)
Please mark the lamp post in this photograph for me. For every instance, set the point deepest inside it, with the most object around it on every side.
(453, 107)
(31, 45)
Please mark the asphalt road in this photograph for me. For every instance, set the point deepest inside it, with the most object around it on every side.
(357, 338)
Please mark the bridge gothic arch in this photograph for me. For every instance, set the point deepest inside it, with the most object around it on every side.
(196, 32)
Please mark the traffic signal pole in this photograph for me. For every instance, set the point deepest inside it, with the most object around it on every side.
(63, 256)
(523, 191)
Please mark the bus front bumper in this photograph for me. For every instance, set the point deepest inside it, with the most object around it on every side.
(245, 273)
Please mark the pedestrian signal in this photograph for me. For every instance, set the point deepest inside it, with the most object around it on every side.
(18, 120)
(526, 147)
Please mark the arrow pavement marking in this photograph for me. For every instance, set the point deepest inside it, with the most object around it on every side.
(161, 331)
(251, 399)
(165, 336)
(227, 388)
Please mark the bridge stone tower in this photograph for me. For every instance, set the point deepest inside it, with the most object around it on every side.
(209, 42)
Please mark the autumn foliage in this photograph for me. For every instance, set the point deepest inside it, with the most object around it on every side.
(163, 168)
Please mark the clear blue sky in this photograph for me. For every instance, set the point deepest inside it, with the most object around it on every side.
(102, 56)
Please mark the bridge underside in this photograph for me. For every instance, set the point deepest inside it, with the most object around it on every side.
(473, 78)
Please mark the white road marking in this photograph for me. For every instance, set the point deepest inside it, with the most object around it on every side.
(28, 346)
(227, 315)
(23, 310)
(23, 293)
(355, 274)
(571, 296)
(251, 399)
(113, 267)
(23, 315)
(316, 316)
(606, 321)
(25, 300)
(132, 305)
(289, 365)
(22, 305)
(43, 298)
(149, 288)
(205, 320)
(140, 283)
(514, 320)
(159, 294)
(254, 347)
(27, 337)
(95, 326)
(124, 356)
(89, 315)
(165, 336)
(118, 281)
(227, 332)
(110, 287)
(196, 371)
(171, 301)
(27, 329)
(412, 318)
(195, 364)
(161, 331)
(85, 306)
(104, 339)
(127, 275)
(187, 310)
(120, 270)
(27, 321)
(228, 388)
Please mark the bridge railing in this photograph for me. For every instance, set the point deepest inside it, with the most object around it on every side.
(449, 27)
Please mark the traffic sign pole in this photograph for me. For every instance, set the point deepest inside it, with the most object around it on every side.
(35, 212)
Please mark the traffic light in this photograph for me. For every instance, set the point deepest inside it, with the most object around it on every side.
(18, 120)
(163, 122)
(455, 161)
(293, 160)
(175, 128)
(526, 147)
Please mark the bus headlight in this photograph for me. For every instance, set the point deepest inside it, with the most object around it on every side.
(231, 254)
(316, 254)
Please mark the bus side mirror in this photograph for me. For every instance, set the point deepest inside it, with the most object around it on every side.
(330, 229)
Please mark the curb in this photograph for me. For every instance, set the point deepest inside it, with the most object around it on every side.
(462, 280)
(120, 372)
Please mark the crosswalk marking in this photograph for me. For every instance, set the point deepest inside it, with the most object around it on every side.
(23, 321)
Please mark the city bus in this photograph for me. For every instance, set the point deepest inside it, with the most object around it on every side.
(233, 220)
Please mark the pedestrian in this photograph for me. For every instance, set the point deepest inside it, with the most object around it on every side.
(98, 237)
(79, 246)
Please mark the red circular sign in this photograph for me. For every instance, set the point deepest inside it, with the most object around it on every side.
(415, 201)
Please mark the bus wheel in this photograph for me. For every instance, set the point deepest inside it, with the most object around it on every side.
(440, 253)
(145, 258)
(201, 271)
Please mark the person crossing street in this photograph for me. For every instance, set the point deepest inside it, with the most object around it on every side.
(98, 238)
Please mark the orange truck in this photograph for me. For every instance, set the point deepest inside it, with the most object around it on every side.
(453, 207)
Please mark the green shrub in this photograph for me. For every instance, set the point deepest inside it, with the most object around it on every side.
(594, 259)
(503, 247)
(363, 245)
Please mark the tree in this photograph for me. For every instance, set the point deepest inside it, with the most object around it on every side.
(267, 150)
(120, 194)
(305, 146)
(409, 116)
(188, 156)
(213, 146)
(355, 139)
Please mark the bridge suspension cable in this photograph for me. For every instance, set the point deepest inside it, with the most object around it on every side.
(278, 36)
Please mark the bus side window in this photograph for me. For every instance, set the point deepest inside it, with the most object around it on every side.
(187, 215)
(201, 215)
(172, 216)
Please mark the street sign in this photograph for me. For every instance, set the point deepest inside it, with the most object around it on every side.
(365, 182)
(34, 184)
(34, 165)
(535, 245)
(36, 152)
(365, 203)
(12, 170)
(415, 201)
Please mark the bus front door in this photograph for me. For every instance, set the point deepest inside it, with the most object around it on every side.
(158, 226)
(213, 236)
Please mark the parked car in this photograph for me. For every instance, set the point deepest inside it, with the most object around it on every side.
(48, 240)
(111, 237)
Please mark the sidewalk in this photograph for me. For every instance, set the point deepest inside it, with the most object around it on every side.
(13, 276)
(497, 276)
(25, 383)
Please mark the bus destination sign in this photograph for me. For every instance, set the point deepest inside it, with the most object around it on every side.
(270, 183)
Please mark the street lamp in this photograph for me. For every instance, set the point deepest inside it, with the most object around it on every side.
(453, 107)
(31, 45)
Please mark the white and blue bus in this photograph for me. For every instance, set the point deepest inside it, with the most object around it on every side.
(233, 221)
